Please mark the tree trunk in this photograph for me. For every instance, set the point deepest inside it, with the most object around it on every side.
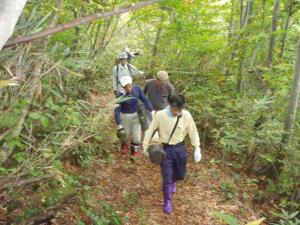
(94, 42)
(263, 15)
(155, 46)
(230, 40)
(273, 30)
(245, 19)
(10, 10)
(293, 102)
(106, 37)
(286, 26)
(80, 21)
(241, 13)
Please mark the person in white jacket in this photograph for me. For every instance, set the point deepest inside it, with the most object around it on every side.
(173, 124)
(123, 69)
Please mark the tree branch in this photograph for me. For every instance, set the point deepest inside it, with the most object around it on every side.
(28, 181)
(80, 21)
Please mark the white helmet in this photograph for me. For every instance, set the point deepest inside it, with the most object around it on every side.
(125, 80)
(123, 55)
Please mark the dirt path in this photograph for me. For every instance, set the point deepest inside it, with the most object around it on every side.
(134, 191)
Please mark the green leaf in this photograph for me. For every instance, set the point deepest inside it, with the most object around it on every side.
(57, 164)
(122, 99)
(14, 142)
(44, 121)
(35, 116)
(3, 171)
(19, 157)
(226, 218)
(79, 222)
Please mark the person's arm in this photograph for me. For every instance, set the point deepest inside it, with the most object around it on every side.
(144, 99)
(114, 79)
(149, 133)
(193, 132)
(146, 89)
(135, 71)
(194, 136)
(118, 115)
(171, 90)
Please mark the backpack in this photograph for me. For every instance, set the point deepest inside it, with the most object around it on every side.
(129, 68)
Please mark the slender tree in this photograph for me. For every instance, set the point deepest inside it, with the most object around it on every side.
(244, 21)
(286, 26)
(293, 102)
(273, 30)
(157, 38)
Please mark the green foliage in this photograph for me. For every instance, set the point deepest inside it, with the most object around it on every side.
(287, 219)
(226, 218)
(130, 199)
(231, 220)
(106, 216)
(229, 188)
(204, 50)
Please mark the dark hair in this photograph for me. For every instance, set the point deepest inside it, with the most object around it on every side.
(177, 101)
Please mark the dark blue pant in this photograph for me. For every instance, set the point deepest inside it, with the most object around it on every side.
(173, 167)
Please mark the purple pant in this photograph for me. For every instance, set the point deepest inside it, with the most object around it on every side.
(173, 167)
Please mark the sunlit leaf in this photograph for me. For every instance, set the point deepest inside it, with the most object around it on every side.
(5, 83)
(256, 222)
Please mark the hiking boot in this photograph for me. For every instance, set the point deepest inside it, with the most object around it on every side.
(134, 151)
(174, 187)
(167, 193)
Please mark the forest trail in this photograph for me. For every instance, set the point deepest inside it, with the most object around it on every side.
(134, 190)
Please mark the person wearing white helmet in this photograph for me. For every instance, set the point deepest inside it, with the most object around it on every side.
(122, 69)
(127, 118)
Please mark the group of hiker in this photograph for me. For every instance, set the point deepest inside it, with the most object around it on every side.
(169, 123)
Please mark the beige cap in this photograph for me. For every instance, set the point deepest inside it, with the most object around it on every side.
(162, 75)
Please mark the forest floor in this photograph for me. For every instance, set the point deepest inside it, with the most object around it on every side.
(134, 190)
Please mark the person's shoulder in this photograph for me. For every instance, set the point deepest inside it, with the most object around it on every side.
(161, 113)
(186, 113)
(136, 87)
(131, 66)
(169, 85)
(149, 81)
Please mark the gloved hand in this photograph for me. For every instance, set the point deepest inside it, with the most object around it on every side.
(197, 155)
(145, 151)
(121, 133)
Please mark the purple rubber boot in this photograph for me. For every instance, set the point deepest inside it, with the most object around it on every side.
(174, 187)
(167, 192)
